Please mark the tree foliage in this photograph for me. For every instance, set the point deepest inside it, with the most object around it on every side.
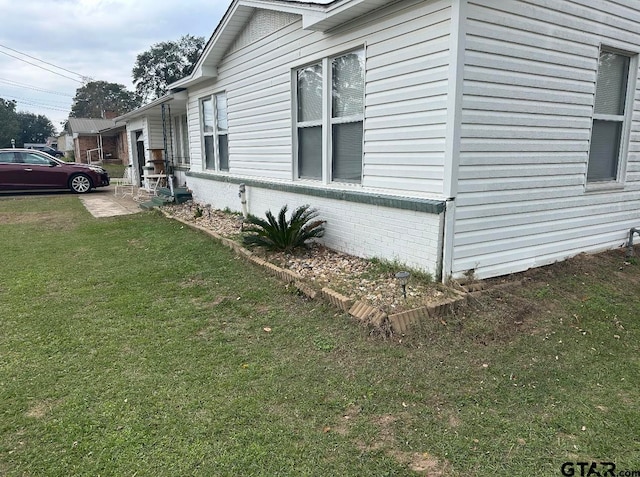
(9, 124)
(165, 63)
(21, 126)
(34, 128)
(94, 99)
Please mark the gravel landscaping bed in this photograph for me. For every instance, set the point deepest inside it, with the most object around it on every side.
(371, 281)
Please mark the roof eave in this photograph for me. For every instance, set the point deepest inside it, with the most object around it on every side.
(238, 13)
(168, 98)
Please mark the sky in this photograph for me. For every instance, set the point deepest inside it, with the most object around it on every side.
(97, 39)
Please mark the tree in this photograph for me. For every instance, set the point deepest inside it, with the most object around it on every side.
(165, 63)
(33, 128)
(94, 99)
(9, 124)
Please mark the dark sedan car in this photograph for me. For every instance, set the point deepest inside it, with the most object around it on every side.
(22, 169)
(49, 150)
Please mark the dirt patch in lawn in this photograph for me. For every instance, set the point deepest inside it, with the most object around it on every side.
(41, 409)
(421, 462)
(28, 218)
(518, 303)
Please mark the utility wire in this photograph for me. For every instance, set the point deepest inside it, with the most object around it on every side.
(41, 67)
(34, 88)
(42, 61)
(44, 107)
(52, 103)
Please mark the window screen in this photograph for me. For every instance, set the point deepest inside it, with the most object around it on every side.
(609, 117)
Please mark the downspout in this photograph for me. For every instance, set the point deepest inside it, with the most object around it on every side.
(455, 74)
(630, 253)
(447, 223)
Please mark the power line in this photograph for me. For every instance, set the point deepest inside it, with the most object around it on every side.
(42, 61)
(29, 103)
(34, 88)
(41, 67)
(17, 98)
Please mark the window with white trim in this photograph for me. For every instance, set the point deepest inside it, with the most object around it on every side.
(222, 131)
(181, 132)
(609, 130)
(215, 132)
(329, 122)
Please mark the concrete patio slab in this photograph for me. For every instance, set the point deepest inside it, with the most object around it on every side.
(103, 203)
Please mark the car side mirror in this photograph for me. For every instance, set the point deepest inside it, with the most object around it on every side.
(53, 163)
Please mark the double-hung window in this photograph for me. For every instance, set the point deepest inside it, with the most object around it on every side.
(610, 126)
(181, 134)
(215, 132)
(329, 123)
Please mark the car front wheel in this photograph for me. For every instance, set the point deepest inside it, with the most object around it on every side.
(80, 184)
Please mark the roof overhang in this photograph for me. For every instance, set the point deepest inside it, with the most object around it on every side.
(316, 16)
(176, 100)
(113, 131)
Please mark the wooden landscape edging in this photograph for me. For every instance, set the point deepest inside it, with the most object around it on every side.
(398, 323)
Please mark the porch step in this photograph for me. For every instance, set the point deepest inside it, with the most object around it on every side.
(181, 194)
(156, 201)
(148, 205)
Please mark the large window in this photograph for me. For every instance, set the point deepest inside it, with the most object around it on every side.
(610, 117)
(221, 131)
(215, 132)
(330, 112)
(181, 133)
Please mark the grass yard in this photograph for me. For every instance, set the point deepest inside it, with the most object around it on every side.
(135, 346)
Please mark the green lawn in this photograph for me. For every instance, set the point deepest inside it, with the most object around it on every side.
(137, 346)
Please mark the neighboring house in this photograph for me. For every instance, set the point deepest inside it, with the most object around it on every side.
(153, 139)
(65, 142)
(477, 137)
(93, 139)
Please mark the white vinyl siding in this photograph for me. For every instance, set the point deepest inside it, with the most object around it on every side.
(404, 116)
(154, 132)
(528, 102)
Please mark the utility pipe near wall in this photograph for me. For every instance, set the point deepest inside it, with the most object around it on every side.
(630, 243)
(243, 199)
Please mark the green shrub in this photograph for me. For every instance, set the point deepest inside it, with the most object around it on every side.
(283, 234)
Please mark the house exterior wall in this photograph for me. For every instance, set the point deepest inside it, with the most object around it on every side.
(407, 63)
(82, 144)
(411, 237)
(529, 87)
(122, 148)
(132, 127)
(154, 132)
(406, 90)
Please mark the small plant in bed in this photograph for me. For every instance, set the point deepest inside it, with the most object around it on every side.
(281, 233)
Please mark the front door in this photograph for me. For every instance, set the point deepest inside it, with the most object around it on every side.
(140, 154)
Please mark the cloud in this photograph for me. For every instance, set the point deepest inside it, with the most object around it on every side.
(94, 38)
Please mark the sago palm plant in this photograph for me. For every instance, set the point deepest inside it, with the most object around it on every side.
(283, 234)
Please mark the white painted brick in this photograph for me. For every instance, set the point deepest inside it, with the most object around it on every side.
(359, 229)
